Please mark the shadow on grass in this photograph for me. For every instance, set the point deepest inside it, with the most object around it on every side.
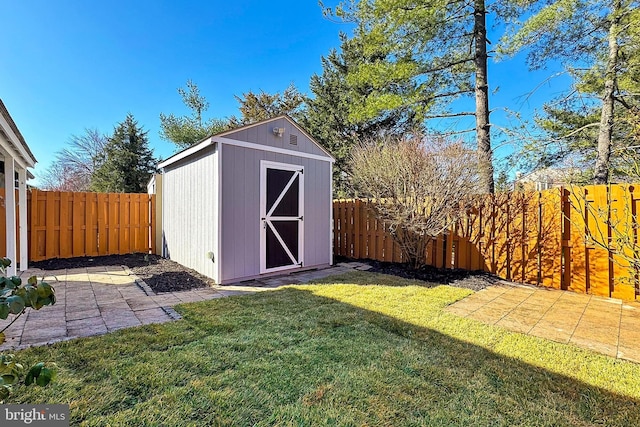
(293, 357)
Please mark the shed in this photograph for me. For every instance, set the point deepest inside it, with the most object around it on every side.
(16, 158)
(248, 203)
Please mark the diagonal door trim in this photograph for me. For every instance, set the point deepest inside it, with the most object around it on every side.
(281, 196)
(267, 221)
(284, 245)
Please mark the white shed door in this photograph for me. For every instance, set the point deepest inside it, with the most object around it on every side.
(281, 216)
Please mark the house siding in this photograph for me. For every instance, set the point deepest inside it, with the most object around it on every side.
(189, 220)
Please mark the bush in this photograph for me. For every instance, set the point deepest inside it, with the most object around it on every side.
(15, 299)
(417, 186)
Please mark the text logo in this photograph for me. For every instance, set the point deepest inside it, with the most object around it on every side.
(35, 415)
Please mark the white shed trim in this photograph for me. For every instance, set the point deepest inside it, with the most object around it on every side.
(285, 117)
(331, 231)
(186, 153)
(222, 139)
(217, 193)
(264, 164)
(228, 141)
(261, 147)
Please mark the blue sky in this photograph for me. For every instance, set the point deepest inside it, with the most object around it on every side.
(70, 65)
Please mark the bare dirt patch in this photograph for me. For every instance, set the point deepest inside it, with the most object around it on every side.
(162, 275)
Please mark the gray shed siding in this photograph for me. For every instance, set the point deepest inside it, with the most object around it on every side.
(189, 212)
(263, 134)
(240, 207)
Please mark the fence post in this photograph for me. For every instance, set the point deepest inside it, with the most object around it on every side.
(153, 223)
(565, 208)
(357, 232)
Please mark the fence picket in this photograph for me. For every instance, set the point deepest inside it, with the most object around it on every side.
(52, 228)
(91, 226)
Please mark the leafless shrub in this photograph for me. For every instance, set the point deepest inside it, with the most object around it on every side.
(416, 185)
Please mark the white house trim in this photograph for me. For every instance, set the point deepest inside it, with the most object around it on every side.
(22, 215)
(10, 213)
(17, 157)
(13, 150)
(14, 143)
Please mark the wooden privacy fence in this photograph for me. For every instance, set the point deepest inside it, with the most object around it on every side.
(583, 239)
(66, 224)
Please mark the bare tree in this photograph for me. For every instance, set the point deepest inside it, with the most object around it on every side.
(59, 177)
(417, 186)
(74, 165)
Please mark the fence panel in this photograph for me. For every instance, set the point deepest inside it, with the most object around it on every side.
(539, 238)
(64, 224)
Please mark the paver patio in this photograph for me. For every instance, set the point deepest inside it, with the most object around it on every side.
(605, 325)
(96, 300)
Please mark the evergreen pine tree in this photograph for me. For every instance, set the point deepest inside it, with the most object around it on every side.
(327, 116)
(127, 161)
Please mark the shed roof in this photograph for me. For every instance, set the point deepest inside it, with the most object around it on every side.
(210, 140)
(14, 137)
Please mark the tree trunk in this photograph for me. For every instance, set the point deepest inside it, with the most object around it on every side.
(603, 163)
(483, 136)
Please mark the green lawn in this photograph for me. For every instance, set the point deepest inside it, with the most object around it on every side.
(359, 349)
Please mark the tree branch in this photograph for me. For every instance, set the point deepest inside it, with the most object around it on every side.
(445, 66)
(443, 116)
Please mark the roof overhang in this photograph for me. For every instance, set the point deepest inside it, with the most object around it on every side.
(221, 139)
(12, 141)
(186, 153)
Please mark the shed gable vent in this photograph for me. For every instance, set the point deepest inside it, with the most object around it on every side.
(293, 139)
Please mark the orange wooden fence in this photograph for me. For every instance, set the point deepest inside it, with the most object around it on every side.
(582, 239)
(65, 224)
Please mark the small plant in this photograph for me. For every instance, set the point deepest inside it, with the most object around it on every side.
(15, 298)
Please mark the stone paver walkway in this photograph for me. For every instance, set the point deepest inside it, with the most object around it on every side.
(96, 300)
(605, 325)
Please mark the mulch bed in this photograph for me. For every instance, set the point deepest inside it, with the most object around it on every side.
(162, 275)
(474, 280)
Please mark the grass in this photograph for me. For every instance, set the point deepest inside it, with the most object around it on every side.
(359, 349)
